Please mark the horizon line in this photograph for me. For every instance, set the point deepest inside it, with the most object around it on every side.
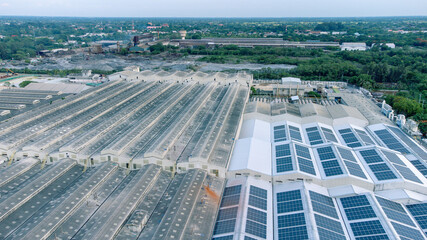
(199, 17)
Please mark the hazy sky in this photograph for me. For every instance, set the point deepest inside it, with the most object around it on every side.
(214, 8)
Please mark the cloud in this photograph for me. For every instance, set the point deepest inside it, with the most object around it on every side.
(4, 5)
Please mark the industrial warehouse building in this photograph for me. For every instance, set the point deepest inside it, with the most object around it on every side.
(161, 155)
(309, 171)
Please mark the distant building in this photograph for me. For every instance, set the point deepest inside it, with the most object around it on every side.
(144, 38)
(250, 42)
(96, 48)
(291, 80)
(353, 46)
(387, 110)
(132, 68)
(391, 45)
(139, 49)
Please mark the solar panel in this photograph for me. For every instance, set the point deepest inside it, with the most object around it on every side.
(314, 135)
(284, 162)
(420, 167)
(368, 228)
(291, 226)
(258, 202)
(351, 163)
(229, 237)
(232, 190)
(226, 219)
(360, 213)
(418, 209)
(323, 204)
(283, 150)
(255, 227)
(230, 200)
(393, 158)
(259, 192)
(291, 220)
(328, 223)
(409, 142)
(249, 238)
(293, 233)
(349, 138)
(258, 197)
(419, 212)
(289, 201)
(305, 162)
(257, 216)
(346, 154)
(390, 141)
(280, 133)
(407, 232)
(364, 136)
(329, 161)
(227, 213)
(329, 135)
(395, 211)
(328, 228)
(377, 165)
(346, 130)
(302, 151)
(295, 133)
(294, 224)
(224, 227)
(357, 207)
(329, 235)
(401, 167)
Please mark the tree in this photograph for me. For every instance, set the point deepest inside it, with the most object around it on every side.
(364, 81)
(24, 84)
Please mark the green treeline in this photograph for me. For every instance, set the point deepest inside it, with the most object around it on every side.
(402, 68)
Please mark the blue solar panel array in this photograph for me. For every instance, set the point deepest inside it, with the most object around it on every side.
(226, 219)
(419, 212)
(305, 162)
(258, 197)
(351, 163)
(329, 229)
(357, 209)
(295, 133)
(329, 161)
(314, 136)
(329, 135)
(323, 204)
(409, 142)
(283, 158)
(280, 133)
(407, 232)
(377, 165)
(401, 167)
(328, 224)
(368, 230)
(249, 238)
(395, 211)
(231, 196)
(390, 141)
(349, 138)
(289, 201)
(291, 220)
(229, 237)
(420, 166)
(364, 136)
(256, 222)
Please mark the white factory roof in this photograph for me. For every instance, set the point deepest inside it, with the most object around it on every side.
(252, 154)
(59, 87)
